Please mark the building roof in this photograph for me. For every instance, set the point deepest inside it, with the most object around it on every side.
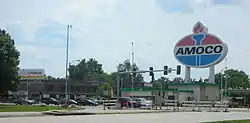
(197, 84)
(145, 89)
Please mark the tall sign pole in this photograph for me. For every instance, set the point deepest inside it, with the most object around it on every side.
(133, 62)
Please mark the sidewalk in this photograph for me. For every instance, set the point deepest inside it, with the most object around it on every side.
(20, 114)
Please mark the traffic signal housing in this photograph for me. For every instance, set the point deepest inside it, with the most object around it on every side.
(165, 70)
(178, 71)
(151, 73)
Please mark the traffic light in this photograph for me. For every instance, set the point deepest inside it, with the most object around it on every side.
(134, 74)
(151, 73)
(165, 70)
(178, 71)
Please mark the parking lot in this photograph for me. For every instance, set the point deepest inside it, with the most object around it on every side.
(171, 117)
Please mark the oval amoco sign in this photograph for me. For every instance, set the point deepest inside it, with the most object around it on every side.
(200, 49)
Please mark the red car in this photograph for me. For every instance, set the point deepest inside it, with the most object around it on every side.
(127, 102)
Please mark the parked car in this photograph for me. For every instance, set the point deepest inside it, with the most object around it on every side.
(142, 102)
(86, 102)
(69, 102)
(48, 101)
(23, 101)
(128, 102)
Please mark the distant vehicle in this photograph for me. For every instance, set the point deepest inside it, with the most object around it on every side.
(86, 102)
(128, 102)
(142, 102)
(69, 102)
(48, 101)
(23, 101)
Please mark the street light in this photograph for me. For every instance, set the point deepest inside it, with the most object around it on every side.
(66, 65)
(223, 91)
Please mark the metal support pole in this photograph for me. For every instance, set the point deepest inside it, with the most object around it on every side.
(174, 99)
(187, 74)
(66, 66)
(132, 106)
(212, 74)
(121, 83)
(118, 88)
(221, 89)
(226, 83)
(178, 103)
(27, 88)
(161, 95)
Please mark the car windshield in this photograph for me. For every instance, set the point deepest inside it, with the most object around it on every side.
(53, 99)
(142, 99)
(128, 99)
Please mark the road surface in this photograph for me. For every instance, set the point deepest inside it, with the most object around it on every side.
(171, 117)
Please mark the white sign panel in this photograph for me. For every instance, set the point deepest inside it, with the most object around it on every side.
(31, 74)
(148, 85)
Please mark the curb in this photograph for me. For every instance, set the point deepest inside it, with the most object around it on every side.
(29, 115)
(100, 113)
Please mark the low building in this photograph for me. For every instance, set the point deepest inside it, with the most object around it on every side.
(181, 92)
(56, 88)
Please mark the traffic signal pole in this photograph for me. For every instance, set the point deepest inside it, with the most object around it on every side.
(178, 71)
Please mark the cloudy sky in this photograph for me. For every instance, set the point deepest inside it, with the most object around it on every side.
(104, 30)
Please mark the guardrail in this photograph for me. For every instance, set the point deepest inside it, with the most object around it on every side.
(199, 104)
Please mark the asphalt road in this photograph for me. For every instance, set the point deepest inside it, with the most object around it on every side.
(177, 117)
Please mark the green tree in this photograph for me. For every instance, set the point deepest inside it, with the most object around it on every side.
(105, 83)
(234, 78)
(162, 80)
(178, 80)
(126, 78)
(9, 61)
(48, 77)
(86, 70)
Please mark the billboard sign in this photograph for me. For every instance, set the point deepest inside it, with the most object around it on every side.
(200, 49)
(31, 74)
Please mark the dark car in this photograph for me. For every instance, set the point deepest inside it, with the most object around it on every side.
(85, 102)
(23, 101)
(48, 101)
(127, 102)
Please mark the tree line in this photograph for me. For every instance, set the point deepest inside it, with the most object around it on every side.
(91, 70)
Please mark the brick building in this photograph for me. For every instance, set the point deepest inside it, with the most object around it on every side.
(56, 88)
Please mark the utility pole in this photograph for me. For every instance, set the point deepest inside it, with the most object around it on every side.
(67, 64)
(226, 83)
(133, 62)
(161, 95)
(221, 89)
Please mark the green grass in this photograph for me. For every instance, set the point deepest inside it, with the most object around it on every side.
(27, 108)
(232, 121)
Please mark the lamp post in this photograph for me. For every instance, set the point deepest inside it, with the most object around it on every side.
(132, 78)
(225, 86)
(70, 63)
(66, 65)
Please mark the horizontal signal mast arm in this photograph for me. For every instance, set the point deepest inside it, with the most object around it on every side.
(144, 71)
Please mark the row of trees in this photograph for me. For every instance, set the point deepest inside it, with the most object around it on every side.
(91, 70)
(234, 78)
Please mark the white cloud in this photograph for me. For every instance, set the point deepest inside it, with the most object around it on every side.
(105, 29)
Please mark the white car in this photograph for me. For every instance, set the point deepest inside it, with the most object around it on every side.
(145, 104)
